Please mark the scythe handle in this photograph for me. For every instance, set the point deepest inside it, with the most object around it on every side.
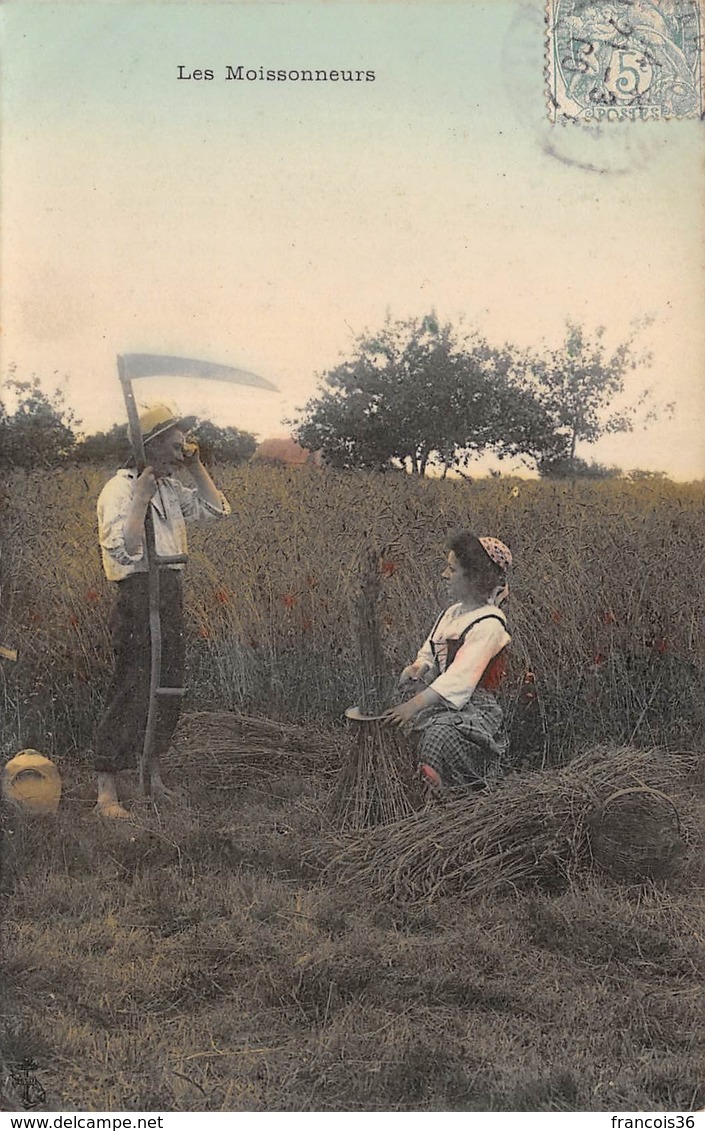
(155, 665)
(133, 416)
(155, 625)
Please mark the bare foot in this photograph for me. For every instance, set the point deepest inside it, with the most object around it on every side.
(111, 809)
(430, 777)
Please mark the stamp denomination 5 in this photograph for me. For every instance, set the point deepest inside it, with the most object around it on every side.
(624, 60)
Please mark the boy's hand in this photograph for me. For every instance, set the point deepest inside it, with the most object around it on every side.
(192, 453)
(146, 485)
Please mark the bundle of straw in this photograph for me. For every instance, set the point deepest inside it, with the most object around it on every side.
(220, 745)
(532, 828)
(376, 782)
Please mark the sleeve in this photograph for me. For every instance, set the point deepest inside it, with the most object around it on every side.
(194, 508)
(481, 645)
(113, 505)
(425, 653)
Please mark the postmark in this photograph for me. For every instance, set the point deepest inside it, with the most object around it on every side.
(596, 147)
(624, 60)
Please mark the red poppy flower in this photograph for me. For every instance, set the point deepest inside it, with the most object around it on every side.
(222, 596)
(598, 659)
(204, 632)
(92, 597)
(73, 620)
(556, 617)
(660, 645)
(387, 568)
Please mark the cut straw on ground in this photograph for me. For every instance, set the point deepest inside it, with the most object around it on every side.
(221, 746)
(534, 828)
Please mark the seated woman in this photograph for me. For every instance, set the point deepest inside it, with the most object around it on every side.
(456, 718)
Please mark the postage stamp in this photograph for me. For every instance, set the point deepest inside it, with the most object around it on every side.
(624, 59)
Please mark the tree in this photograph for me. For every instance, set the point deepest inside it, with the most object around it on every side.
(639, 474)
(577, 385)
(224, 445)
(40, 432)
(576, 468)
(105, 447)
(414, 394)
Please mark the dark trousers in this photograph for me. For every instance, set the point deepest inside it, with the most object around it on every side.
(120, 734)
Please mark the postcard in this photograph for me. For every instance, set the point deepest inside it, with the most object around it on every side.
(362, 276)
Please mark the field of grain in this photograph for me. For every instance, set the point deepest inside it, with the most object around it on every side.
(210, 956)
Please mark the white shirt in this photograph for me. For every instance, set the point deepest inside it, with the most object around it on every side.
(481, 645)
(173, 506)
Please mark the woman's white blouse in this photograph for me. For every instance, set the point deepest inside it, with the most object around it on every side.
(480, 646)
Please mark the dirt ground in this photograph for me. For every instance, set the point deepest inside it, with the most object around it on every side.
(199, 958)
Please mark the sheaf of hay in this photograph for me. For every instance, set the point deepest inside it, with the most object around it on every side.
(222, 745)
(376, 783)
(534, 828)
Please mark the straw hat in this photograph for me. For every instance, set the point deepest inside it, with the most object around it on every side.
(159, 418)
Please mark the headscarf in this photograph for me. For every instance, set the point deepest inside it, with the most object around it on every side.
(501, 555)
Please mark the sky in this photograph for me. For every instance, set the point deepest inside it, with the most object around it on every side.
(263, 224)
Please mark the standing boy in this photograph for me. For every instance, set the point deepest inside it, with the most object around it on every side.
(122, 507)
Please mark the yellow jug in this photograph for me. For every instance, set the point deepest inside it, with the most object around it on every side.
(31, 781)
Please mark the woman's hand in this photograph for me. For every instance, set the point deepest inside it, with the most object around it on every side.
(402, 714)
(413, 672)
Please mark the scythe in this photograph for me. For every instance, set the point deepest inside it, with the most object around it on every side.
(132, 366)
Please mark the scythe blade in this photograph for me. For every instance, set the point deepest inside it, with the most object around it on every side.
(136, 365)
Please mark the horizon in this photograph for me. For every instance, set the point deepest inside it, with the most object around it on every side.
(263, 225)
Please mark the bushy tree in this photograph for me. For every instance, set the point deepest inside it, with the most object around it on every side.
(563, 468)
(40, 431)
(577, 386)
(105, 447)
(223, 445)
(414, 394)
(639, 474)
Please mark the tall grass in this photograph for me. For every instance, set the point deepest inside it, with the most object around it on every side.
(199, 958)
(607, 594)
